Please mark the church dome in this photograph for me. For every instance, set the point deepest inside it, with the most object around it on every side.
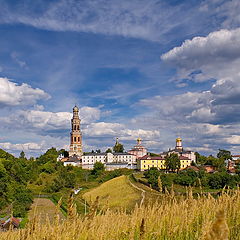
(178, 139)
(75, 109)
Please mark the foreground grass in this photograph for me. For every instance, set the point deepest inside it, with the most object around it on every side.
(181, 218)
(44, 209)
(115, 193)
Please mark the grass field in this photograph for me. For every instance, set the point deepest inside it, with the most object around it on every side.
(185, 218)
(116, 193)
(43, 208)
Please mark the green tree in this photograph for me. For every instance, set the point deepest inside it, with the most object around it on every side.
(224, 154)
(98, 168)
(22, 155)
(172, 162)
(109, 150)
(118, 147)
(200, 159)
(50, 155)
(152, 175)
(5, 155)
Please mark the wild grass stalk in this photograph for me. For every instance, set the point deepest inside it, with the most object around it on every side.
(183, 218)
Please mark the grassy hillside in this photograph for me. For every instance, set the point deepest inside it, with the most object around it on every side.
(204, 218)
(115, 193)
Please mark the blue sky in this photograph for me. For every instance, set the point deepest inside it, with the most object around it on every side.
(141, 68)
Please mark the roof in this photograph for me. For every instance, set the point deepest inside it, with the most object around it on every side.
(122, 153)
(148, 157)
(236, 156)
(95, 154)
(192, 167)
(13, 220)
(116, 163)
(73, 158)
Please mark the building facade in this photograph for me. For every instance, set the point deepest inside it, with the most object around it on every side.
(146, 162)
(114, 159)
(180, 151)
(75, 135)
(138, 150)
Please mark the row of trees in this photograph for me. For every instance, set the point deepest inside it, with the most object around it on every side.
(191, 178)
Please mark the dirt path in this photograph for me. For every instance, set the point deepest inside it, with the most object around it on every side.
(43, 208)
(140, 189)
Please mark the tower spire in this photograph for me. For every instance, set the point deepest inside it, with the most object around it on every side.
(75, 135)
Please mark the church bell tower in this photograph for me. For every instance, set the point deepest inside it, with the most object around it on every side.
(75, 135)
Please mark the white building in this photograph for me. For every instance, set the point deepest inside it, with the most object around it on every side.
(180, 151)
(72, 160)
(108, 159)
(138, 150)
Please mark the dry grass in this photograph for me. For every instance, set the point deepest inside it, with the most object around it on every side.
(182, 219)
(44, 209)
(114, 194)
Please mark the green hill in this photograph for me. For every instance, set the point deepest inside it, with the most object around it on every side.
(115, 193)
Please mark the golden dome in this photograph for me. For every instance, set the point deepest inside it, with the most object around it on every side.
(178, 139)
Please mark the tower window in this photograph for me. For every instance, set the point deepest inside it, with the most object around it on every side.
(78, 139)
(75, 127)
(75, 139)
(78, 127)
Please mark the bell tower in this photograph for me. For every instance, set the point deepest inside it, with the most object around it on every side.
(179, 144)
(75, 135)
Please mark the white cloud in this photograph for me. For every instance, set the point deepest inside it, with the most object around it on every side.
(149, 20)
(12, 94)
(29, 147)
(104, 129)
(216, 56)
(45, 121)
(21, 63)
(219, 46)
(235, 139)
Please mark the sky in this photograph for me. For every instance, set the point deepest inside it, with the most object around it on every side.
(154, 69)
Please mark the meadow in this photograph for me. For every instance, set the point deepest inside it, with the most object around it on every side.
(115, 193)
(171, 217)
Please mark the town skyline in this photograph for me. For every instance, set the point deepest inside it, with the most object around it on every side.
(149, 69)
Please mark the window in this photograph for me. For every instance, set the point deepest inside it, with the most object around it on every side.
(144, 166)
(79, 139)
(75, 139)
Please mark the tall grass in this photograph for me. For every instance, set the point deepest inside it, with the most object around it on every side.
(181, 218)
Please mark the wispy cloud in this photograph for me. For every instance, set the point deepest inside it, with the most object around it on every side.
(149, 20)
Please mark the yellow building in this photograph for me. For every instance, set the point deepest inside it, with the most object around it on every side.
(146, 162)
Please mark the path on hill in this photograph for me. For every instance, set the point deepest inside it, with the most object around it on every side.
(43, 208)
(140, 189)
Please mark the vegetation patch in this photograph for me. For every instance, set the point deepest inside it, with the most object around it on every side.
(115, 193)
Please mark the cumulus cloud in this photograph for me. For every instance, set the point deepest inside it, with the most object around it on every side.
(31, 146)
(45, 121)
(216, 56)
(219, 46)
(235, 139)
(12, 94)
(113, 130)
